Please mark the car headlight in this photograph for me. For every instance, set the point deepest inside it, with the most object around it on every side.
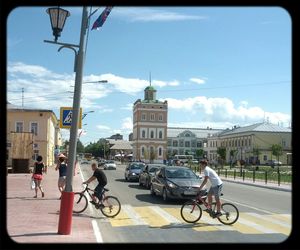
(133, 173)
(171, 184)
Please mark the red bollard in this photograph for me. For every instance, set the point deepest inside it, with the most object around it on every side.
(66, 211)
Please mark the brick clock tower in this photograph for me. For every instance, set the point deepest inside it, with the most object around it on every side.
(150, 119)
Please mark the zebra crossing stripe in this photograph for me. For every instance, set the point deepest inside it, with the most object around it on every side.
(136, 218)
(278, 226)
(214, 222)
(255, 226)
(171, 219)
(268, 218)
(151, 217)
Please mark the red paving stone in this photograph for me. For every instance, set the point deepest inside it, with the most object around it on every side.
(36, 220)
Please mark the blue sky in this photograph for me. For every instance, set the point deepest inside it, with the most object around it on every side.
(216, 66)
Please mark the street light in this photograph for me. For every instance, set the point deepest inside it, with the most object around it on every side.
(58, 18)
(67, 200)
(86, 113)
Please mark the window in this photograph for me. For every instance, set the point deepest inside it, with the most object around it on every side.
(152, 134)
(143, 117)
(160, 117)
(19, 127)
(175, 143)
(181, 144)
(160, 135)
(160, 151)
(143, 134)
(34, 128)
(199, 144)
(152, 117)
(143, 151)
(187, 144)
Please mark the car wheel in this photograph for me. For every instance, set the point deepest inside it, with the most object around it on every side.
(165, 195)
(152, 190)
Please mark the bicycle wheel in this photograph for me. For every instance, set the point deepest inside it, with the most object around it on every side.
(230, 214)
(80, 203)
(191, 211)
(111, 206)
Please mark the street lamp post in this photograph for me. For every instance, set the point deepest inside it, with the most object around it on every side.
(66, 206)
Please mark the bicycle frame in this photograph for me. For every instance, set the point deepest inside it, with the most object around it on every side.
(89, 190)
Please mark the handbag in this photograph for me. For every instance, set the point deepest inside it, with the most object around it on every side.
(32, 184)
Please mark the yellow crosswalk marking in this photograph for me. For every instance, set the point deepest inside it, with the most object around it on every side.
(151, 217)
(155, 216)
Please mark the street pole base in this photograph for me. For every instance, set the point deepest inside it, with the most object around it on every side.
(66, 211)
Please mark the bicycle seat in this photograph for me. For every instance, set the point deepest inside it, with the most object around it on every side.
(105, 189)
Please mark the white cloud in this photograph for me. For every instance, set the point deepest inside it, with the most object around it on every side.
(103, 127)
(142, 14)
(223, 110)
(197, 80)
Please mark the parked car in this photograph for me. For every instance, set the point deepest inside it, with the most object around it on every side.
(147, 174)
(133, 170)
(110, 165)
(175, 182)
(101, 163)
(273, 163)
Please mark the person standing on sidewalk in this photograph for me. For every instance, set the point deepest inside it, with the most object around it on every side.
(216, 185)
(37, 175)
(62, 169)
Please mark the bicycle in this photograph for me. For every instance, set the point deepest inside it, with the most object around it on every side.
(110, 206)
(191, 210)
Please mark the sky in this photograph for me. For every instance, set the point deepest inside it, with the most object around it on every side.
(216, 66)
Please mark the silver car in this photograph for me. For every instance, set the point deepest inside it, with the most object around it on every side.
(133, 170)
(175, 182)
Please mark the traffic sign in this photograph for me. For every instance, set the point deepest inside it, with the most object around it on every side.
(66, 117)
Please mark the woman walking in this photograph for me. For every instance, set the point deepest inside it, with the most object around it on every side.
(38, 175)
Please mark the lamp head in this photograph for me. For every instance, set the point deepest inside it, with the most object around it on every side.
(58, 18)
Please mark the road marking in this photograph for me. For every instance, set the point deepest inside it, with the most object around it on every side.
(268, 222)
(246, 205)
(97, 233)
(165, 215)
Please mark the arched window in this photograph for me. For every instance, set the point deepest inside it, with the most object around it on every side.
(152, 134)
(143, 151)
(160, 152)
(160, 135)
(143, 134)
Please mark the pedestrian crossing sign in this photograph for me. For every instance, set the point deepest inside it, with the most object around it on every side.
(66, 117)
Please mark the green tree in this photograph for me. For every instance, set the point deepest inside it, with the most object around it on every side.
(80, 147)
(256, 152)
(232, 154)
(199, 153)
(221, 151)
(277, 151)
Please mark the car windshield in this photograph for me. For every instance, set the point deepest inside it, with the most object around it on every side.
(110, 162)
(136, 166)
(180, 173)
(153, 169)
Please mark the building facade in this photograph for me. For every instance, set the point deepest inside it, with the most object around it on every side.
(184, 141)
(242, 143)
(40, 127)
(150, 119)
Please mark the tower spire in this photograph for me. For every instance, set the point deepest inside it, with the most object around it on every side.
(150, 78)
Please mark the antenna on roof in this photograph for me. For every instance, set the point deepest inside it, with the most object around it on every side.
(150, 78)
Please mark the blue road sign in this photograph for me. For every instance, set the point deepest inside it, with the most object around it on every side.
(66, 117)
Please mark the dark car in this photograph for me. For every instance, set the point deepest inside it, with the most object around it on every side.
(175, 182)
(148, 173)
(133, 170)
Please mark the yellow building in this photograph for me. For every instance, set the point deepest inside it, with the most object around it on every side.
(243, 141)
(30, 132)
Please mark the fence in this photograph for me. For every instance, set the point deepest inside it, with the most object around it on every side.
(254, 175)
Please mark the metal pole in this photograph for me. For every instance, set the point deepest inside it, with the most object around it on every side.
(66, 207)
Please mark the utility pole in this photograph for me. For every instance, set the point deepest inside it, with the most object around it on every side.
(22, 97)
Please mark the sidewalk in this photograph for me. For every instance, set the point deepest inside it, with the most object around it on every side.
(36, 220)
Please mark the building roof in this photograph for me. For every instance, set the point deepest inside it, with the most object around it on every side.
(120, 144)
(199, 132)
(150, 88)
(10, 106)
(258, 127)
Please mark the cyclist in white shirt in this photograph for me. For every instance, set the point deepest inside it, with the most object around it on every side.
(216, 185)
